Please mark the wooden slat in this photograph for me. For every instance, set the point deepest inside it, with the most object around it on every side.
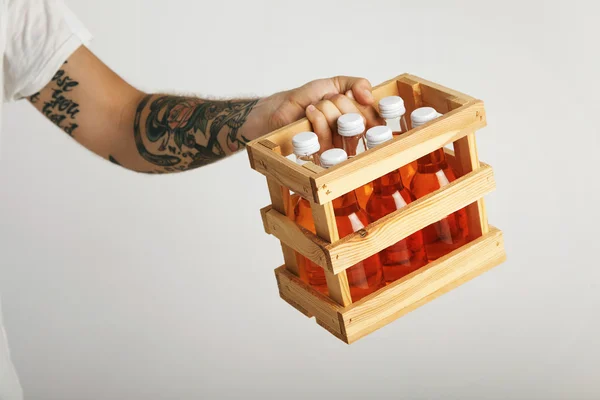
(280, 203)
(439, 88)
(395, 226)
(468, 160)
(282, 170)
(374, 163)
(410, 91)
(283, 136)
(302, 240)
(416, 289)
(326, 228)
(307, 300)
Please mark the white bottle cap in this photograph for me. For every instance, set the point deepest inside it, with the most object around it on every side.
(378, 135)
(423, 115)
(391, 107)
(351, 124)
(306, 143)
(333, 157)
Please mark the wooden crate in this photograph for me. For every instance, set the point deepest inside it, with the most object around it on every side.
(463, 115)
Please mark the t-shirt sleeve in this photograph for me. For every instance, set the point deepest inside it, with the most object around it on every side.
(40, 36)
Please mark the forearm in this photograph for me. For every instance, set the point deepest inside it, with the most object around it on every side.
(147, 133)
(173, 133)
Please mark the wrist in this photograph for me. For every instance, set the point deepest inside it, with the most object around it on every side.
(264, 117)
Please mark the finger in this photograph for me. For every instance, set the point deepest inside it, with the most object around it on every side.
(360, 87)
(330, 112)
(347, 105)
(320, 126)
(349, 94)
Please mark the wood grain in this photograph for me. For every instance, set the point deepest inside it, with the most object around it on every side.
(468, 160)
(402, 150)
(286, 172)
(326, 228)
(404, 295)
(293, 235)
(296, 292)
(417, 215)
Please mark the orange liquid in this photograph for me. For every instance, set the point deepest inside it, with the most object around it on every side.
(363, 194)
(364, 277)
(451, 232)
(408, 171)
(313, 273)
(408, 255)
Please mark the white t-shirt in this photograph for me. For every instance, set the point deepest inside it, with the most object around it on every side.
(36, 37)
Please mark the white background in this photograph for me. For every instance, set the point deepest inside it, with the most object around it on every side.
(124, 286)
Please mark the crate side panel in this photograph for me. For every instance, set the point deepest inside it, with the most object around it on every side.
(324, 309)
(446, 273)
(417, 215)
(377, 162)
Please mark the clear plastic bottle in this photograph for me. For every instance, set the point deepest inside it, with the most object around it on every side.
(389, 195)
(306, 148)
(433, 172)
(392, 109)
(351, 127)
(366, 276)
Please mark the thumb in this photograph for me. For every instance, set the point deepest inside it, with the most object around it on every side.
(359, 87)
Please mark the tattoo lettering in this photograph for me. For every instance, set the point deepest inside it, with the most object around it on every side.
(60, 108)
(113, 160)
(174, 126)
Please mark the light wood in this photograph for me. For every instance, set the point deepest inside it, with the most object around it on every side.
(298, 238)
(399, 298)
(286, 172)
(373, 312)
(307, 300)
(443, 90)
(393, 227)
(279, 203)
(410, 91)
(468, 160)
(368, 166)
(326, 228)
(463, 115)
(283, 136)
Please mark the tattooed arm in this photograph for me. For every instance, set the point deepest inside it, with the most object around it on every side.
(160, 133)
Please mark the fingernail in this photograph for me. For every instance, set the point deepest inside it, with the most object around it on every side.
(310, 108)
(368, 94)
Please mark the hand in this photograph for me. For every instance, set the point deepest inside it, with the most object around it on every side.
(323, 101)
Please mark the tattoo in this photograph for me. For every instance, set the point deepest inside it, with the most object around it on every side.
(34, 98)
(60, 108)
(186, 132)
(113, 160)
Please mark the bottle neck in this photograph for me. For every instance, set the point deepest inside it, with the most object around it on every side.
(432, 162)
(314, 158)
(354, 145)
(388, 184)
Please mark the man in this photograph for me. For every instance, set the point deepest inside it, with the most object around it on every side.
(45, 60)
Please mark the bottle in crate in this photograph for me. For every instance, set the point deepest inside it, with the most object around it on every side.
(306, 148)
(433, 172)
(392, 109)
(351, 127)
(364, 277)
(389, 195)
